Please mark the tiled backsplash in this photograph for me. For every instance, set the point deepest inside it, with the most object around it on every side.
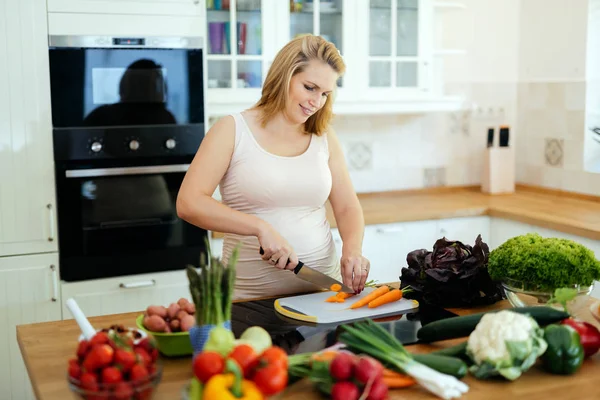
(551, 137)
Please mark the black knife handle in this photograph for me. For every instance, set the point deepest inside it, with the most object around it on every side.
(296, 270)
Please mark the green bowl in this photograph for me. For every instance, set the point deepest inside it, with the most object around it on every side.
(169, 344)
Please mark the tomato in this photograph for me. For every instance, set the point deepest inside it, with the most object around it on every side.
(275, 356)
(271, 379)
(207, 364)
(246, 358)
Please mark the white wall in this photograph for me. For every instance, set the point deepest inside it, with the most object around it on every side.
(413, 151)
(552, 96)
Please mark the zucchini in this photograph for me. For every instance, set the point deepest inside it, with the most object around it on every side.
(457, 327)
(444, 364)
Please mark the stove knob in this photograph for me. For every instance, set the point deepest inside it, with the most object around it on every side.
(134, 145)
(96, 147)
(170, 144)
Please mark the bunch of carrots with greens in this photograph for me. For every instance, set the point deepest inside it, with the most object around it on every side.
(378, 297)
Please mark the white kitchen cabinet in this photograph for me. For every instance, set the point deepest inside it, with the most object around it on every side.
(503, 229)
(27, 200)
(28, 294)
(387, 46)
(387, 245)
(138, 7)
(127, 293)
(465, 229)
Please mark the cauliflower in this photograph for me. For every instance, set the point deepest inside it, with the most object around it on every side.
(505, 343)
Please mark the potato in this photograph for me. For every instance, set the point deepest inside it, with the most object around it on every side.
(181, 314)
(182, 302)
(154, 323)
(187, 323)
(173, 310)
(190, 308)
(175, 325)
(161, 311)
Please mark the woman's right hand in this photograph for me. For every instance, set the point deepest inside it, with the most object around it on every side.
(276, 250)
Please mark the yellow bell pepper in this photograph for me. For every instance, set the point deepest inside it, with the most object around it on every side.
(231, 386)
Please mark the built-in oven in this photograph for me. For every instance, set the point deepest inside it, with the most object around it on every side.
(128, 117)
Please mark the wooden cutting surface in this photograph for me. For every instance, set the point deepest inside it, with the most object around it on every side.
(46, 347)
(561, 211)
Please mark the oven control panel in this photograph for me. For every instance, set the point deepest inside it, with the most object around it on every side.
(126, 143)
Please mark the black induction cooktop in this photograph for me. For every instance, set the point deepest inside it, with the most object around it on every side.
(301, 337)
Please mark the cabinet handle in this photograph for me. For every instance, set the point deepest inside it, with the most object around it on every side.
(51, 224)
(54, 283)
(396, 229)
(139, 284)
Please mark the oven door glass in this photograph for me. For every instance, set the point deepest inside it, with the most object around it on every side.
(97, 87)
(123, 224)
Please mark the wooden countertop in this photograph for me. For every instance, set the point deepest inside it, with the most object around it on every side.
(562, 211)
(46, 347)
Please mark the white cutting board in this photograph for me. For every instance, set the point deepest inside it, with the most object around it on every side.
(313, 308)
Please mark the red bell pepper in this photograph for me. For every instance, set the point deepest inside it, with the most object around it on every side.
(589, 334)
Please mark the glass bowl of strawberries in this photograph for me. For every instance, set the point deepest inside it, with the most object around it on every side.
(113, 365)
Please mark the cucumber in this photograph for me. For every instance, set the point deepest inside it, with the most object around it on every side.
(457, 327)
(458, 351)
(444, 364)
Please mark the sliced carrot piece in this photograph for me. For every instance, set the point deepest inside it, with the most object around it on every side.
(370, 297)
(336, 287)
(332, 299)
(389, 297)
(343, 296)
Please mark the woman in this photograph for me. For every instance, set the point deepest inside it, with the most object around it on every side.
(276, 165)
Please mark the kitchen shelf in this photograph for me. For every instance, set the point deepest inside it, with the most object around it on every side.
(449, 5)
(254, 11)
(409, 106)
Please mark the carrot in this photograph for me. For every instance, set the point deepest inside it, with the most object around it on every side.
(326, 355)
(332, 299)
(336, 287)
(393, 295)
(370, 297)
(398, 381)
(344, 296)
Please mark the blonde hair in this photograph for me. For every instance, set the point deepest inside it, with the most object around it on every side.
(291, 60)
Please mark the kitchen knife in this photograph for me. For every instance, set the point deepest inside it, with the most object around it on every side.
(315, 277)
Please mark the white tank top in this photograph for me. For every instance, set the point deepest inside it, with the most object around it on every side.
(290, 194)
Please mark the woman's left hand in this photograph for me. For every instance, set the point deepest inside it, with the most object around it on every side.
(355, 270)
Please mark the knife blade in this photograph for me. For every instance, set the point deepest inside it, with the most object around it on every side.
(315, 277)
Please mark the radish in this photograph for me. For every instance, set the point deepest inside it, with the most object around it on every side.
(345, 391)
(367, 368)
(342, 366)
(378, 391)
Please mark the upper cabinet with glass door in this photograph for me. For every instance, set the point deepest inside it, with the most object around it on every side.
(397, 49)
(331, 19)
(237, 49)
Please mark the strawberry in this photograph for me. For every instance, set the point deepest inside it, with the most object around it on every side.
(99, 338)
(123, 391)
(82, 349)
(111, 375)
(143, 356)
(89, 382)
(100, 356)
(74, 369)
(138, 374)
(125, 359)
